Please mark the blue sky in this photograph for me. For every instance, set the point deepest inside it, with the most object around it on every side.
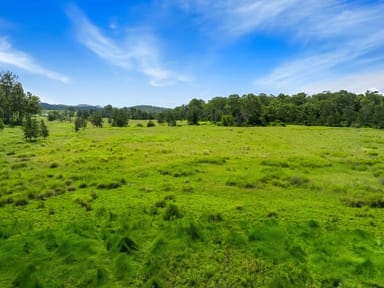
(166, 52)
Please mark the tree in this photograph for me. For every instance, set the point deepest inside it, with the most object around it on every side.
(170, 118)
(195, 111)
(31, 128)
(96, 119)
(80, 123)
(15, 105)
(227, 120)
(119, 117)
(43, 129)
(1, 124)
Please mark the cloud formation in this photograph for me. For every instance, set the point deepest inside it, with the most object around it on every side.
(335, 39)
(137, 53)
(22, 60)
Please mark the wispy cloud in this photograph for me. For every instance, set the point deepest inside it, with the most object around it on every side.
(22, 60)
(311, 18)
(137, 52)
(335, 39)
(318, 66)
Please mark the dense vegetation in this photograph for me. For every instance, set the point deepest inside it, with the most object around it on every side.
(324, 109)
(336, 109)
(15, 105)
(201, 206)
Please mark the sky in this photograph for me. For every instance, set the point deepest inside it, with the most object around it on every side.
(166, 52)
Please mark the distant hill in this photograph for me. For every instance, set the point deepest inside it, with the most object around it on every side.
(47, 106)
(145, 108)
(149, 108)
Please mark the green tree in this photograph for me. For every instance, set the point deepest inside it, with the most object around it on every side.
(32, 104)
(119, 117)
(195, 111)
(31, 128)
(227, 120)
(1, 124)
(96, 119)
(43, 129)
(80, 123)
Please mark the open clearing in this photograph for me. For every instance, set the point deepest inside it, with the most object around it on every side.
(201, 206)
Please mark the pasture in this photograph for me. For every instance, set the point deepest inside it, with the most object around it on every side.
(192, 206)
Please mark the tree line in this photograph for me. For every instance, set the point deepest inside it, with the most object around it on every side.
(338, 109)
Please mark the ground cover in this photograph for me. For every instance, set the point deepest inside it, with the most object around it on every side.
(201, 206)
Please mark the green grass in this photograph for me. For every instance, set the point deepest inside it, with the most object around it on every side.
(186, 206)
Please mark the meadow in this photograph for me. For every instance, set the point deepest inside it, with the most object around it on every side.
(192, 206)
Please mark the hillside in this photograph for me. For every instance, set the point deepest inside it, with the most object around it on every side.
(145, 108)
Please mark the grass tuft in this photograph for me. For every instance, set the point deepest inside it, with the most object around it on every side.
(172, 212)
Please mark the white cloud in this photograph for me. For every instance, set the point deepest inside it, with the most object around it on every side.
(137, 53)
(19, 59)
(357, 83)
(310, 18)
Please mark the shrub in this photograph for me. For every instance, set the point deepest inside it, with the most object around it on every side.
(150, 123)
(170, 197)
(54, 165)
(21, 202)
(112, 185)
(227, 120)
(83, 185)
(161, 204)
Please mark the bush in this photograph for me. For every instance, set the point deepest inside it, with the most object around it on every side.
(54, 165)
(228, 120)
(150, 123)
(21, 202)
(161, 204)
(112, 185)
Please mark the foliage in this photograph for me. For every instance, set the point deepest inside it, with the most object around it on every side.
(150, 123)
(80, 122)
(14, 103)
(119, 117)
(43, 129)
(227, 120)
(339, 109)
(31, 128)
(96, 119)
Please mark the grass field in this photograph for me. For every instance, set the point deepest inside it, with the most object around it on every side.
(192, 206)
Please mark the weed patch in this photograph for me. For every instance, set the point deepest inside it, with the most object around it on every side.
(172, 212)
(127, 245)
